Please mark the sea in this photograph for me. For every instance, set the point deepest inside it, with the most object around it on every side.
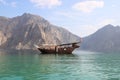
(81, 65)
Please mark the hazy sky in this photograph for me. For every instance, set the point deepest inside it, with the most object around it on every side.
(81, 17)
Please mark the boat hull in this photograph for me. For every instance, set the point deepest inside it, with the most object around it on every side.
(67, 50)
(58, 49)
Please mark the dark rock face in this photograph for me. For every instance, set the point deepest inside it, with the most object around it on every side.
(106, 39)
(22, 32)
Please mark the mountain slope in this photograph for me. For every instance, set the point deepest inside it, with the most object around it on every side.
(22, 32)
(106, 39)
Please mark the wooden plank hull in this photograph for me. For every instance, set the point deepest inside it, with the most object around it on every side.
(58, 49)
(67, 50)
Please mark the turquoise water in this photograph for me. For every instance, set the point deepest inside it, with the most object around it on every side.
(79, 66)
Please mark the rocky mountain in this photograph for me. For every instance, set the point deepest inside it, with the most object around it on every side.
(106, 39)
(22, 32)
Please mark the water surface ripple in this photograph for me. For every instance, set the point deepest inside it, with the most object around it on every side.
(81, 65)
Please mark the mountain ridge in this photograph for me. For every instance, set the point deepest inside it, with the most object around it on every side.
(105, 39)
(22, 32)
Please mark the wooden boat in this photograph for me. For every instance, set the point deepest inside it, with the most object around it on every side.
(58, 49)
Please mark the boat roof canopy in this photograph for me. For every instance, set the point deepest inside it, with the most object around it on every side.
(68, 44)
(59, 44)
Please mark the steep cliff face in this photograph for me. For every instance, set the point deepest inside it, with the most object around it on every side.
(22, 32)
(3, 38)
(106, 39)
